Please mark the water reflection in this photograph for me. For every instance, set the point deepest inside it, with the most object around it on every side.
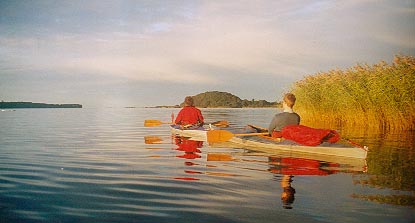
(287, 195)
(300, 166)
(189, 147)
(289, 167)
(191, 150)
(283, 168)
(152, 140)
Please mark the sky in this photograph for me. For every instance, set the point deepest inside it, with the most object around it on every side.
(109, 53)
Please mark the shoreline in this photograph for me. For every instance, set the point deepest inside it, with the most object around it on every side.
(17, 105)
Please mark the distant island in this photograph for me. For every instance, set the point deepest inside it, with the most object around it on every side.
(9, 105)
(217, 99)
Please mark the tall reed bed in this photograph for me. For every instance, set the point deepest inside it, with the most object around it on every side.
(381, 96)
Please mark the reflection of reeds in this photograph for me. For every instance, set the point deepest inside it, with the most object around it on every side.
(403, 200)
(379, 97)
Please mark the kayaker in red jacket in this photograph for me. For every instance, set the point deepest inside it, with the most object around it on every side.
(189, 115)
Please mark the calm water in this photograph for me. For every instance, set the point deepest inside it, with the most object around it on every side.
(94, 165)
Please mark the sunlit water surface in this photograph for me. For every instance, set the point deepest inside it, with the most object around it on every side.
(94, 165)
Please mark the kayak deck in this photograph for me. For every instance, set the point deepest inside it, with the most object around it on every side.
(337, 150)
(193, 134)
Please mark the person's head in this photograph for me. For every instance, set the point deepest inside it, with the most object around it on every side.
(188, 101)
(289, 99)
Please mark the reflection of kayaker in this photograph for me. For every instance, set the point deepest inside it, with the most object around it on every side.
(189, 147)
(191, 151)
(290, 167)
(300, 166)
(287, 195)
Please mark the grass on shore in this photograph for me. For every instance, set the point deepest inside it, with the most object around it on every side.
(381, 96)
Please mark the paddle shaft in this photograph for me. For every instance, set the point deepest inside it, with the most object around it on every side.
(252, 134)
(153, 123)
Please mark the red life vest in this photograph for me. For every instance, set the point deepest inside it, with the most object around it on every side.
(189, 115)
(309, 136)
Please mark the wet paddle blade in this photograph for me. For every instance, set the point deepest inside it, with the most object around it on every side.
(219, 135)
(153, 123)
(221, 124)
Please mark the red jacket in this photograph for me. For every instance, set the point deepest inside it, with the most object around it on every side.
(189, 115)
(309, 136)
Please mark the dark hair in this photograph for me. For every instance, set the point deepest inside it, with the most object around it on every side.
(188, 101)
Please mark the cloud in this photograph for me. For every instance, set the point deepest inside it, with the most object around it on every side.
(169, 47)
(201, 43)
(263, 38)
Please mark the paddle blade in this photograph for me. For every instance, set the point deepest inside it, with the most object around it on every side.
(152, 140)
(221, 124)
(151, 123)
(219, 135)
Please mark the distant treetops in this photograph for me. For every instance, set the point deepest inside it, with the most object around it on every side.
(4, 104)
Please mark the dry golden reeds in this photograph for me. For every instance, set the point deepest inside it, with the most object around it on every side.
(381, 96)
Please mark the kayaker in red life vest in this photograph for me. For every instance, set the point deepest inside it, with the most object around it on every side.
(189, 115)
(287, 117)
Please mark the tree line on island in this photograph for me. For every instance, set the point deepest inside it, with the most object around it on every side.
(10, 105)
(217, 99)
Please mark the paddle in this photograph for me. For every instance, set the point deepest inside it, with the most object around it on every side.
(221, 124)
(223, 135)
(153, 123)
(152, 140)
